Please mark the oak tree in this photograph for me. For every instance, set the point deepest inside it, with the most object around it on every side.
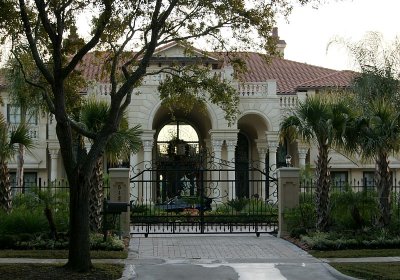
(129, 31)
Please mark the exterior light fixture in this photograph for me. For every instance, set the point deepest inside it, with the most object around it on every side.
(288, 160)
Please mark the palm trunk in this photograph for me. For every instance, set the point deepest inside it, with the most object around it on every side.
(96, 196)
(384, 187)
(322, 188)
(5, 188)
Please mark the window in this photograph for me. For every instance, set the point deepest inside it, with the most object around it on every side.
(176, 138)
(339, 179)
(14, 115)
(30, 181)
(368, 179)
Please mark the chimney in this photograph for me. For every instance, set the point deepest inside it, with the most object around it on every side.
(280, 44)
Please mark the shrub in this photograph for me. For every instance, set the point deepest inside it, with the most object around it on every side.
(22, 220)
(351, 240)
(353, 210)
(238, 204)
(300, 219)
(112, 243)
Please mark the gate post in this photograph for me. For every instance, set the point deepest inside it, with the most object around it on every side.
(288, 194)
(119, 192)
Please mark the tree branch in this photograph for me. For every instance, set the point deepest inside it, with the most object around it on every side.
(32, 43)
(103, 21)
(41, 6)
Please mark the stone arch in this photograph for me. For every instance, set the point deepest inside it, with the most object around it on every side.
(255, 123)
(201, 121)
(209, 117)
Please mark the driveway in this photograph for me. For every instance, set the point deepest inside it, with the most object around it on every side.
(220, 257)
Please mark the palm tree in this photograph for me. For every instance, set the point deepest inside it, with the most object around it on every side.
(9, 138)
(378, 129)
(22, 96)
(323, 120)
(377, 94)
(122, 143)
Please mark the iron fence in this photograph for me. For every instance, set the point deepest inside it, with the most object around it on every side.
(55, 192)
(366, 187)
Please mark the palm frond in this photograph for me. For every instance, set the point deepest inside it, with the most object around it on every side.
(93, 114)
(123, 143)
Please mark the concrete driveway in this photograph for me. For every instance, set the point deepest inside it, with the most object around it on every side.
(220, 257)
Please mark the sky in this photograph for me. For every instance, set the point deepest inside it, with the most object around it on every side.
(310, 30)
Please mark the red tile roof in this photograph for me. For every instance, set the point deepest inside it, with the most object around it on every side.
(339, 79)
(289, 75)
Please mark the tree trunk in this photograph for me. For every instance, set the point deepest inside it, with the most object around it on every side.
(5, 188)
(384, 187)
(96, 197)
(79, 247)
(322, 188)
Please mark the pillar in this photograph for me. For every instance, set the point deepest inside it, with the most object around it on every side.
(216, 190)
(288, 195)
(262, 149)
(272, 188)
(302, 149)
(53, 164)
(119, 192)
(231, 147)
(134, 189)
(146, 187)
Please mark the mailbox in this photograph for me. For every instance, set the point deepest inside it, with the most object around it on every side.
(111, 213)
(115, 207)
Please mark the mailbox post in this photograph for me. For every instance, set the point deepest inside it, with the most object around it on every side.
(112, 216)
(119, 196)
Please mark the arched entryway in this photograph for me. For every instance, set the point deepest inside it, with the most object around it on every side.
(179, 141)
(177, 160)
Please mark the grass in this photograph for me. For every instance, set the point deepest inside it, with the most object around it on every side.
(60, 254)
(370, 271)
(375, 271)
(50, 271)
(360, 253)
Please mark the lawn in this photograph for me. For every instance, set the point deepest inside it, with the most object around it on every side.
(352, 253)
(53, 271)
(375, 271)
(370, 271)
(60, 254)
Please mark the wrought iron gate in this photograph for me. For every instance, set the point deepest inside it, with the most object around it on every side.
(196, 196)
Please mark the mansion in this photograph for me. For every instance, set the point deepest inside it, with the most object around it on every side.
(268, 91)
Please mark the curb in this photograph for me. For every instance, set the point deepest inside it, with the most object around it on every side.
(337, 274)
(129, 273)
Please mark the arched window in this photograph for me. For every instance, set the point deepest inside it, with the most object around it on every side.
(178, 138)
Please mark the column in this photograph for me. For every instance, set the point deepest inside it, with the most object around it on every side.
(53, 164)
(145, 190)
(215, 184)
(288, 194)
(302, 149)
(231, 147)
(261, 189)
(119, 195)
(134, 189)
(273, 143)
